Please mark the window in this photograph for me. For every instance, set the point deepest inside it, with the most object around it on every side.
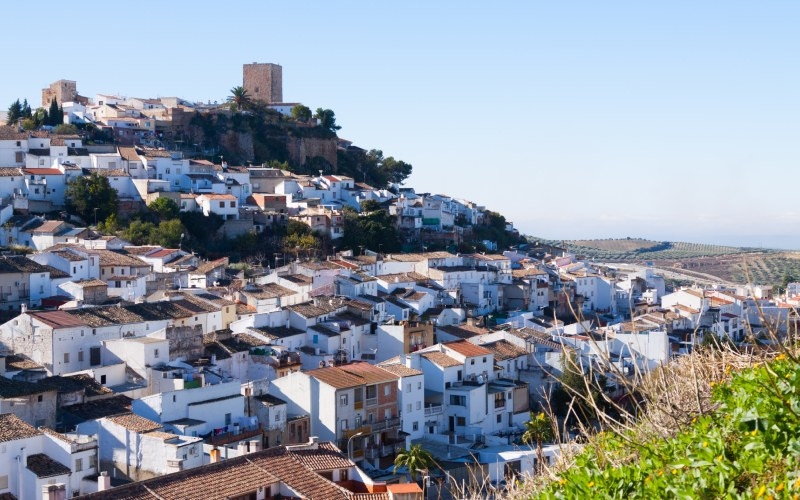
(39, 398)
(484, 359)
(419, 386)
(94, 355)
(499, 418)
(456, 400)
(92, 461)
(419, 405)
(343, 424)
(155, 353)
(227, 419)
(408, 387)
(409, 407)
(232, 204)
(461, 421)
(343, 400)
(102, 379)
(66, 357)
(222, 204)
(78, 464)
(415, 426)
(277, 416)
(472, 361)
(387, 389)
(459, 374)
(80, 356)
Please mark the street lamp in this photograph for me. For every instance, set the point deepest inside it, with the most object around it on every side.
(349, 442)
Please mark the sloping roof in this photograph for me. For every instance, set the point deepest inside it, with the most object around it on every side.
(464, 331)
(12, 427)
(58, 319)
(19, 264)
(503, 350)
(134, 422)
(400, 369)
(335, 377)
(466, 348)
(371, 374)
(324, 458)
(44, 466)
(268, 291)
(441, 359)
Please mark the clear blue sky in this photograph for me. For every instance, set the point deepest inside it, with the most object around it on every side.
(662, 119)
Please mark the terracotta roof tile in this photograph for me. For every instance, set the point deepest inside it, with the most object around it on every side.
(441, 359)
(12, 428)
(467, 348)
(134, 422)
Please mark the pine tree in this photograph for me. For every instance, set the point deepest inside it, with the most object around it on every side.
(14, 113)
(26, 109)
(54, 116)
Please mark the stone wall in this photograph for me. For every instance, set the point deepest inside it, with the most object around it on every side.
(301, 149)
(263, 82)
(185, 342)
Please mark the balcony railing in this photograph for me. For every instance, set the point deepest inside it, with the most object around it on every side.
(358, 405)
(388, 423)
(432, 410)
(372, 401)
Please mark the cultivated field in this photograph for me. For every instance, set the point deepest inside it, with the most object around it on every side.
(770, 267)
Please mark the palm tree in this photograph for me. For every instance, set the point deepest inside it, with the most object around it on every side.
(240, 98)
(413, 459)
(538, 429)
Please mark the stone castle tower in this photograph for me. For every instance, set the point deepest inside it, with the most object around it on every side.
(264, 82)
(62, 90)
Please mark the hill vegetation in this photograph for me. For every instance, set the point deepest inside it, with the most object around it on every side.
(727, 425)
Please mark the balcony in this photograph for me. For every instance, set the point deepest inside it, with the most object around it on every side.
(232, 437)
(388, 423)
(358, 405)
(433, 410)
(372, 401)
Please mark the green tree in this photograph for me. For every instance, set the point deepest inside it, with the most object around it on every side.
(413, 459)
(109, 226)
(26, 109)
(538, 429)
(92, 198)
(370, 206)
(168, 233)
(66, 129)
(28, 124)
(40, 117)
(55, 115)
(374, 230)
(139, 233)
(14, 113)
(239, 98)
(165, 208)
(301, 113)
(327, 119)
(201, 227)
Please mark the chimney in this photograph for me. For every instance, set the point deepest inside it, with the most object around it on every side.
(103, 481)
(255, 445)
(56, 491)
(313, 442)
(23, 308)
(242, 448)
(214, 454)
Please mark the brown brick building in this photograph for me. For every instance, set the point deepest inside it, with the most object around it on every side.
(264, 81)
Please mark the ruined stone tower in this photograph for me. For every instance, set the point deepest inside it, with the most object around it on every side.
(62, 90)
(264, 82)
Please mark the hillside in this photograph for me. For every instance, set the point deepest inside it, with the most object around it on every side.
(726, 426)
(733, 264)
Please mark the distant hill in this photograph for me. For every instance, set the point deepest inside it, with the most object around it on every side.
(736, 264)
(640, 249)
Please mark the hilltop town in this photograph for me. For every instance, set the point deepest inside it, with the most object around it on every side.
(228, 300)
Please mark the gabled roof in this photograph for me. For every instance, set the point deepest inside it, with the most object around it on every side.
(441, 359)
(466, 348)
(12, 428)
(44, 466)
(134, 422)
(503, 350)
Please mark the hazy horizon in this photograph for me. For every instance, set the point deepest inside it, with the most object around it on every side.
(668, 121)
